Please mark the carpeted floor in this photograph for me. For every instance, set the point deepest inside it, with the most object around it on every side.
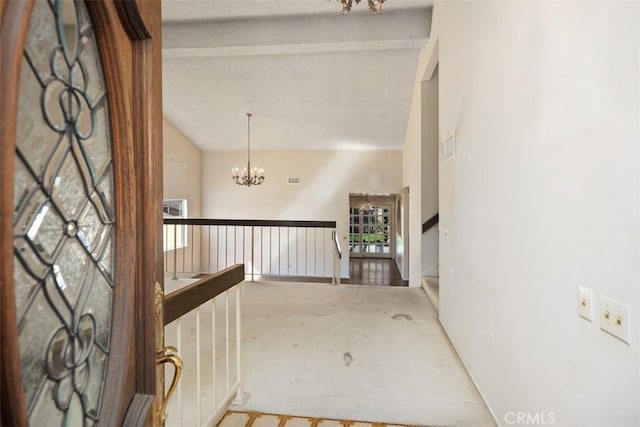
(258, 419)
(369, 353)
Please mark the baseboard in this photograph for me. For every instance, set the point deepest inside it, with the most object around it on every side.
(283, 278)
(302, 279)
(473, 380)
(401, 270)
(434, 297)
(426, 292)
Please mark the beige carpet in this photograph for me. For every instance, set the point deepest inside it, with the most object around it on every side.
(257, 419)
(362, 353)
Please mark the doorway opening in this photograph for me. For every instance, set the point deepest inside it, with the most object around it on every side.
(370, 231)
(372, 240)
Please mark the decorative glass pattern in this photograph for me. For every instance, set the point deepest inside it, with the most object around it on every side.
(370, 231)
(63, 218)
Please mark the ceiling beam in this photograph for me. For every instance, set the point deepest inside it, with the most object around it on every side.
(407, 29)
(292, 49)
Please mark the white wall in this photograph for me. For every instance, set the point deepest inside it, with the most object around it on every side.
(542, 196)
(412, 178)
(412, 167)
(182, 166)
(182, 179)
(327, 178)
(402, 235)
(429, 152)
(429, 171)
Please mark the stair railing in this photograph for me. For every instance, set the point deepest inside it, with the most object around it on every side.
(431, 222)
(198, 321)
(337, 256)
(266, 247)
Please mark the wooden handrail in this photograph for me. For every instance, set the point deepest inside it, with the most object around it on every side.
(182, 301)
(430, 223)
(250, 222)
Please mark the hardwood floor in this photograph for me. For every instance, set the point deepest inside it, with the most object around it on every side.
(362, 271)
(374, 272)
(250, 419)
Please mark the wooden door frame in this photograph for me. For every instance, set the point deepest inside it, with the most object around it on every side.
(134, 26)
(13, 24)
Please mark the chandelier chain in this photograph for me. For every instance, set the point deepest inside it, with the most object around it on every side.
(249, 139)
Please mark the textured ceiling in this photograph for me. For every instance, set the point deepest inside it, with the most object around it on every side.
(190, 10)
(313, 80)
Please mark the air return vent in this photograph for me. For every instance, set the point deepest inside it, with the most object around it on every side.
(449, 147)
(293, 180)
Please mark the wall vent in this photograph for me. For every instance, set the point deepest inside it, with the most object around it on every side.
(449, 147)
(293, 180)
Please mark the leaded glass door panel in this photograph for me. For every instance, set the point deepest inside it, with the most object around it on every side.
(77, 344)
(370, 231)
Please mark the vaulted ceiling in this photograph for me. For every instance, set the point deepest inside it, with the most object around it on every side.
(312, 77)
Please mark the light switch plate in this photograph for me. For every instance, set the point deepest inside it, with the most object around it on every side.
(615, 318)
(585, 303)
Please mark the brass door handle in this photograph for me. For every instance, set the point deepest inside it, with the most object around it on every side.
(169, 354)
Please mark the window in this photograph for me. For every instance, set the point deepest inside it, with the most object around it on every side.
(175, 235)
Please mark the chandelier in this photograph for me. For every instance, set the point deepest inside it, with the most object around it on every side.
(249, 176)
(366, 206)
(375, 6)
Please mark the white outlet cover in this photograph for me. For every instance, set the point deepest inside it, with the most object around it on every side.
(585, 310)
(618, 321)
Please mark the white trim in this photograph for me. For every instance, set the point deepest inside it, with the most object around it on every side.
(290, 49)
(473, 380)
(433, 58)
(222, 408)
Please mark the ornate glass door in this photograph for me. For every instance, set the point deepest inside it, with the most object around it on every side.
(71, 274)
(63, 218)
(370, 232)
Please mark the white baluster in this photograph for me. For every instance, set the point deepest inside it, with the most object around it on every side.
(239, 395)
(213, 351)
(226, 324)
(198, 366)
